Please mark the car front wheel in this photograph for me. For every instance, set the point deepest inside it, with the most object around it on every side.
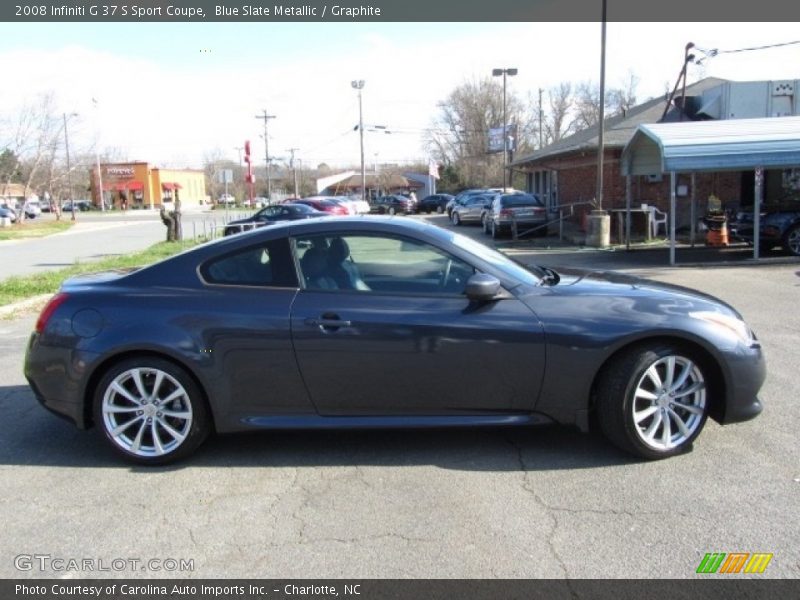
(791, 241)
(439, 209)
(392, 210)
(151, 411)
(652, 401)
(456, 218)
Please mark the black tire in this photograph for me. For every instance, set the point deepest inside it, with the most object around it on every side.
(617, 401)
(392, 210)
(494, 230)
(189, 416)
(791, 240)
(455, 218)
(439, 209)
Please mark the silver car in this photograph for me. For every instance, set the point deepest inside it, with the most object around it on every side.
(471, 209)
(526, 211)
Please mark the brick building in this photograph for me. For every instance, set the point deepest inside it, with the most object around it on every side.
(565, 172)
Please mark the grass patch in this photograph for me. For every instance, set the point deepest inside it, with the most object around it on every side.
(33, 229)
(14, 289)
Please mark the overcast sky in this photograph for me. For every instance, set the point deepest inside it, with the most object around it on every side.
(171, 93)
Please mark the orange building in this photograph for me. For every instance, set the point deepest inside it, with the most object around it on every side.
(138, 185)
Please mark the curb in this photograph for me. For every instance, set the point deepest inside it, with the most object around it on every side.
(28, 303)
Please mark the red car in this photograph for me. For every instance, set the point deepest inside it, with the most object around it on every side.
(327, 206)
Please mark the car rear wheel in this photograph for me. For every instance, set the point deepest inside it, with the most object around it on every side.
(439, 209)
(652, 401)
(495, 230)
(151, 411)
(791, 241)
(392, 210)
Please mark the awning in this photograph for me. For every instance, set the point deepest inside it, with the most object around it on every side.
(730, 145)
(169, 185)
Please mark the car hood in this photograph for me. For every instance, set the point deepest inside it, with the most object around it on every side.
(607, 284)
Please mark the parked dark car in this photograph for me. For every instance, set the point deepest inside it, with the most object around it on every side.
(273, 214)
(326, 206)
(80, 205)
(527, 211)
(779, 226)
(434, 203)
(393, 204)
(356, 322)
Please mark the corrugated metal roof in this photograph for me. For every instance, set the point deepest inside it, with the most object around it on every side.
(734, 144)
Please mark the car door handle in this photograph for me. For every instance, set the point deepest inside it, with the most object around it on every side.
(327, 323)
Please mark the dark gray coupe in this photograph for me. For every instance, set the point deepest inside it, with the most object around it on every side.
(384, 322)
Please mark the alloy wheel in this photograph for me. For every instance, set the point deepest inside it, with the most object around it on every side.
(669, 403)
(147, 412)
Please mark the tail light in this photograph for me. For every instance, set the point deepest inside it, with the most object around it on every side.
(506, 212)
(48, 311)
(538, 209)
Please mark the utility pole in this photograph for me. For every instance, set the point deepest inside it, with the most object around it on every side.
(601, 116)
(541, 136)
(294, 171)
(266, 118)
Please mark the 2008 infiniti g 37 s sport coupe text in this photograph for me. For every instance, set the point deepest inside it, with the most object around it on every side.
(384, 322)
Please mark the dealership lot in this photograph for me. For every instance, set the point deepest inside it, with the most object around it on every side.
(461, 503)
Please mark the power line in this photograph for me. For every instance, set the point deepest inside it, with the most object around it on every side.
(716, 52)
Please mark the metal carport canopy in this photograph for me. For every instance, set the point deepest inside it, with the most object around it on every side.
(728, 145)
(732, 145)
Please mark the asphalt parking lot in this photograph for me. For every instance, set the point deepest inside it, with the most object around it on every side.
(493, 503)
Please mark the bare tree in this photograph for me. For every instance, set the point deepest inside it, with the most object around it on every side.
(559, 122)
(460, 133)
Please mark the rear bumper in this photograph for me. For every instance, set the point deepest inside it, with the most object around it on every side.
(57, 376)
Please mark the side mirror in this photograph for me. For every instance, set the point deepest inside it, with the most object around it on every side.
(482, 287)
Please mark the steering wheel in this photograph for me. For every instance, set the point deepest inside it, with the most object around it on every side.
(445, 274)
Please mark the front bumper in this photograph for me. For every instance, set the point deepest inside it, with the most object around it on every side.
(747, 370)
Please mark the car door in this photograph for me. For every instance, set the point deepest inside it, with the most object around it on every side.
(410, 343)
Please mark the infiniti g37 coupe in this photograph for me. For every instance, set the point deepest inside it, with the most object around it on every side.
(384, 322)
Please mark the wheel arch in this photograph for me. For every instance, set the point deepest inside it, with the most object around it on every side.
(704, 355)
(102, 367)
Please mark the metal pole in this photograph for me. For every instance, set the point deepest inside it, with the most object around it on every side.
(672, 204)
(361, 141)
(628, 213)
(601, 116)
(69, 170)
(693, 214)
(759, 183)
(505, 135)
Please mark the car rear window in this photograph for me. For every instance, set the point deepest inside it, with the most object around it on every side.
(520, 200)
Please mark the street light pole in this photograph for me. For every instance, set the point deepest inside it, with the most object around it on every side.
(506, 149)
(266, 118)
(294, 170)
(359, 85)
(69, 168)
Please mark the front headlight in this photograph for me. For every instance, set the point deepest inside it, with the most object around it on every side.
(732, 324)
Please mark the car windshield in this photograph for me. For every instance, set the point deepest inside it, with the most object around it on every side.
(498, 260)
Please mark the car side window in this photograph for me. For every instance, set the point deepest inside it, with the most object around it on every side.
(379, 264)
(264, 265)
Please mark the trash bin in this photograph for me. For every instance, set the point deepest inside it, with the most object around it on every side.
(717, 234)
